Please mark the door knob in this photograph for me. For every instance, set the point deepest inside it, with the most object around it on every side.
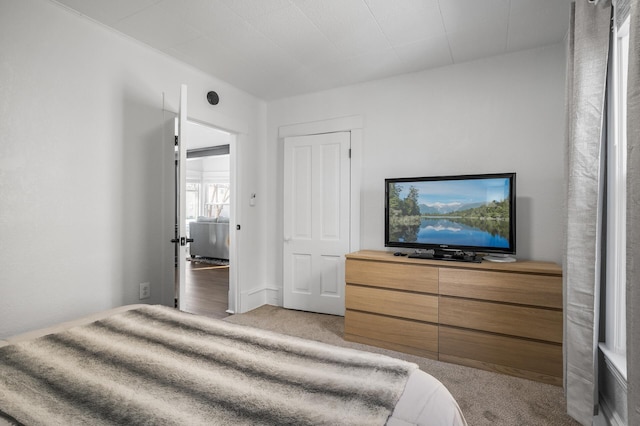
(182, 240)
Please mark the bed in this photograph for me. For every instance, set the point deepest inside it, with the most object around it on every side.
(143, 364)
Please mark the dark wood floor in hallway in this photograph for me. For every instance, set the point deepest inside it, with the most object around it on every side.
(207, 288)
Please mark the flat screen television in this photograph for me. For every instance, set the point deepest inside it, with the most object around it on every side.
(452, 217)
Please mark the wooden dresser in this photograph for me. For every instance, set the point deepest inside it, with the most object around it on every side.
(504, 317)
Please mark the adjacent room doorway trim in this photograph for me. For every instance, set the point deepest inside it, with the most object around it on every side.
(238, 131)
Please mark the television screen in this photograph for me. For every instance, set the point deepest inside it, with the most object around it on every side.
(470, 213)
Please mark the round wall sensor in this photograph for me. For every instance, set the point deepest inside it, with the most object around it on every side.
(213, 98)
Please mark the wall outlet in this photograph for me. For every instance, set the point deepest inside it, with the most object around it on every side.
(145, 290)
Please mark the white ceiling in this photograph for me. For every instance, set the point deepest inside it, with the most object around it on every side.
(279, 48)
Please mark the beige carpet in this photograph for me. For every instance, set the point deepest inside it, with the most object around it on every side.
(485, 398)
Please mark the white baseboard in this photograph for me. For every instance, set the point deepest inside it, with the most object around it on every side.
(612, 392)
(607, 417)
(257, 297)
(273, 296)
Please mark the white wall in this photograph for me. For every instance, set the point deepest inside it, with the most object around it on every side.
(84, 166)
(498, 114)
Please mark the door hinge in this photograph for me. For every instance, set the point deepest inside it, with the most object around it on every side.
(175, 303)
(349, 152)
(175, 140)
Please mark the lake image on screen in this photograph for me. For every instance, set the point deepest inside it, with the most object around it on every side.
(471, 213)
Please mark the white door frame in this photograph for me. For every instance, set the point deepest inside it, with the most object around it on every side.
(238, 131)
(353, 124)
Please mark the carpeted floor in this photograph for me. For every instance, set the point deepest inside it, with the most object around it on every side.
(485, 398)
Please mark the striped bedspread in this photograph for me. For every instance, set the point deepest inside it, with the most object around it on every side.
(156, 365)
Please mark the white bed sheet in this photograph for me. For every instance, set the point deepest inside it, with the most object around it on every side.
(424, 401)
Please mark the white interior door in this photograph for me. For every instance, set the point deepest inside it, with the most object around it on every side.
(181, 202)
(316, 221)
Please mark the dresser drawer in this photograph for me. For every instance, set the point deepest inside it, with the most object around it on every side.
(525, 289)
(391, 333)
(502, 353)
(423, 307)
(400, 276)
(533, 323)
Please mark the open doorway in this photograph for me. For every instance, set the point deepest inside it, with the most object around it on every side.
(208, 217)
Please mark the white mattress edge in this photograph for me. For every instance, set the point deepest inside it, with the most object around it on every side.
(425, 401)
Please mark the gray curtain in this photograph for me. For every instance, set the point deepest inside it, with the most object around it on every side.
(633, 218)
(587, 58)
